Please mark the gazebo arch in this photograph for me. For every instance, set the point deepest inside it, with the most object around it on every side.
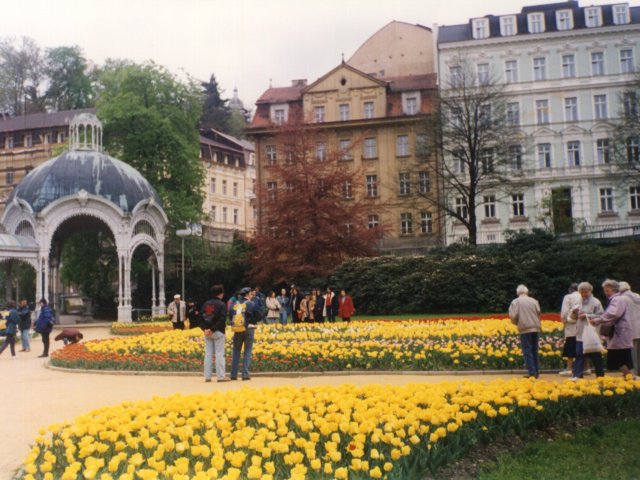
(85, 182)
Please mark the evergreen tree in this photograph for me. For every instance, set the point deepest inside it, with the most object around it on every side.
(215, 112)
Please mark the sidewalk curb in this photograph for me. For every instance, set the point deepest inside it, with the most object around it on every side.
(341, 373)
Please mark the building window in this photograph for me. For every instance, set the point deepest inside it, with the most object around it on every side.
(539, 68)
(288, 186)
(462, 210)
(508, 26)
(573, 153)
(480, 28)
(593, 16)
(568, 66)
(28, 141)
(272, 190)
(9, 177)
(235, 189)
(8, 143)
(426, 222)
(271, 154)
(288, 154)
(460, 164)
(279, 116)
(513, 114)
(542, 111)
(600, 106)
(633, 149)
(212, 213)
(564, 19)
(483, 73)
(424, 182)
(515, 158)
(344, 112)
(236, 216)
(597, 63)
(224, 187)
(486, 160)
(321, 151)
(422, 146)
(372, 185)
(224, 214)
(255, 212)
(484, 116)
(62, 137)
(318, 114)
(517, 203)
(370, 148)
(402, 146)
(48, 138)
(489, 206)
(626, 61)
(405, 183)
(571, 109)
(368, 109)
(213, 185)
(345, 149)
(511, 71)
(634, 198)
(544, 155)
(602, 150)
(630, 104)
(373, 221)
(606, 199)
(347, 189)
(535, 22)
(455, 75)
(411, 105)
(621, 14)
(406, 224)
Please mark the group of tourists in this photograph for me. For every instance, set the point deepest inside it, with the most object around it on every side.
(309, 307)
(586, 323)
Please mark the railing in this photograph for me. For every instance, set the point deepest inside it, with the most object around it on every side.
(599, 232)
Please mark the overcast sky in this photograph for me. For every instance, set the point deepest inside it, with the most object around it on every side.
(245, 43)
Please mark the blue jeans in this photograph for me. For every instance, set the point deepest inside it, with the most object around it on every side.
(24, 338)
(283, 316)
(596, 361)
(239, 340)
(529, 343)
(214, 344)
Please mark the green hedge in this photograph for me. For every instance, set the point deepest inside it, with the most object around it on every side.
(483, 279)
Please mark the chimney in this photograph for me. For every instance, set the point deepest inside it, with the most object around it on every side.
(301, 82)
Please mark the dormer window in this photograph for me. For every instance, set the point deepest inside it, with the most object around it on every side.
(508, 25)
(564, 19)
(279, 113)
(593, 16)
(535, 22)
(621, 14)
(480, 28)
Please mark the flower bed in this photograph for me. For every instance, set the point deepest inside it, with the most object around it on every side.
(314, 433)
(376, 345)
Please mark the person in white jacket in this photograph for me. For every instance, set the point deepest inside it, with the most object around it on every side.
(633, 314)
(569, 302)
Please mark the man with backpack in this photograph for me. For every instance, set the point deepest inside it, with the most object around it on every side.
(243, 317)
(213, 323)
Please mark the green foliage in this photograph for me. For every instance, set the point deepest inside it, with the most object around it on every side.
(466, 279)
(215, 112)
(150, 121)
(595, 452)
(81, 252)
(69, 84)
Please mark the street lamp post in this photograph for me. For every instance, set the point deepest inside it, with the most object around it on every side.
(183, 233)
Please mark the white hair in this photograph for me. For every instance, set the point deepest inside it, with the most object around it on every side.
(612, 284)
(624, 286)
(522, 289)
(585, 286)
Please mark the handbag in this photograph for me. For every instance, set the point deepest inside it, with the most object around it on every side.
(608, 330)
(590, 340)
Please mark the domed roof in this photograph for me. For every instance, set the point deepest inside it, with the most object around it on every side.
(90, 170)
(86, 168)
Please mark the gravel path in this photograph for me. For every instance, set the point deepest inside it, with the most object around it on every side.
(35, 396)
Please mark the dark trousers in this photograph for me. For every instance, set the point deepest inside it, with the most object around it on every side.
(178, 325)
(10, 340)
(529, 343)
(596, 361)
(45, 342)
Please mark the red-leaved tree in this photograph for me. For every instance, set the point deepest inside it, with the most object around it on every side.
(313, 213)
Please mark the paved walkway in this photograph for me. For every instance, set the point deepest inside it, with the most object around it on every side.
(34, 396)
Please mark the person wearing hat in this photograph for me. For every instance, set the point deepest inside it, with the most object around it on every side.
(177, 310)
(243, 334)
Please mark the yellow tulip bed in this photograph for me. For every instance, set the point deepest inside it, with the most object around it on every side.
(371, 345)
(342, 432)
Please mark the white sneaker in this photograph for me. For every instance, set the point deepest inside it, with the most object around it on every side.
(574, 379)
(587, 371)
(566, 373)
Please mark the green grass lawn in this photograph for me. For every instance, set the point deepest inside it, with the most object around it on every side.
(602, 451)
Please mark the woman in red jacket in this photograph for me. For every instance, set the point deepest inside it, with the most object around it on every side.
(346, 309)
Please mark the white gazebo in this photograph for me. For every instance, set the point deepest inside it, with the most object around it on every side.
(80, 188)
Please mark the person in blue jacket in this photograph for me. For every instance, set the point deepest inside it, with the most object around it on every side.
(44, 325)
(12, 321)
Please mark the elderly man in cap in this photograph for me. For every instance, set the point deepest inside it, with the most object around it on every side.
(177, 310)
(243, 317)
